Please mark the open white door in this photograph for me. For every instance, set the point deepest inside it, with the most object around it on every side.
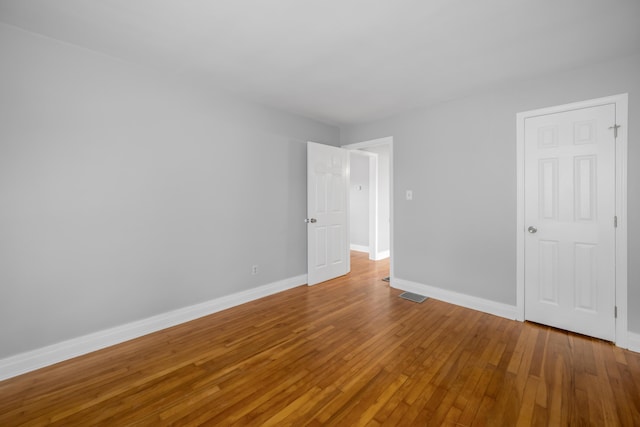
(327, 233)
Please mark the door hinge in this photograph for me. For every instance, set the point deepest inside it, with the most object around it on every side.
(615, 221)
(615, 130)
(615, 311)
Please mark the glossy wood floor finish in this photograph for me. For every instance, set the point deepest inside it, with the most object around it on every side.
(347, 352)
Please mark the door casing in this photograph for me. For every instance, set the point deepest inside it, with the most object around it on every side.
(621, 105)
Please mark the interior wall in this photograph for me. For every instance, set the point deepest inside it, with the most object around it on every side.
(125, 194)
(459, 158)
(359, 199)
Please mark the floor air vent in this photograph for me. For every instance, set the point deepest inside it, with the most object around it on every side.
(413, 297)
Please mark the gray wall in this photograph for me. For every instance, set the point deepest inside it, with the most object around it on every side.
(125, 194)
(459, 158)
(359, 199)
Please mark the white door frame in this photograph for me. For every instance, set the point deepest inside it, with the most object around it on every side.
(375, 143)
(621, 106)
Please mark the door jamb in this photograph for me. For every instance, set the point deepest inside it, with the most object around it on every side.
(621, 107)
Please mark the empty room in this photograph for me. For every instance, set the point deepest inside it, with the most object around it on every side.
(292, 212)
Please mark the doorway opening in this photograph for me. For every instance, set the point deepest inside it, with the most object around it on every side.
(328, 224)
(371, 199)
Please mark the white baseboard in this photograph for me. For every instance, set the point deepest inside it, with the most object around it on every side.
(45, 356)
(633, 342)
(365, 249)
(382, 255)
(468, 301)
(359, 248)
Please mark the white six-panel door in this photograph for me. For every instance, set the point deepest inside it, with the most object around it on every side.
(327, 185)
(569, 217)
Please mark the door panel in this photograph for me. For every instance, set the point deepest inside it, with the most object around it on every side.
(548, 271)
(569, 211)
(327, 184)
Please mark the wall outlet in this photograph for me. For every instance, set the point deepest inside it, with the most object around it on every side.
(254, 270)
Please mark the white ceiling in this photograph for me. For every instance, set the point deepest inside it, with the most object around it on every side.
(343, 61)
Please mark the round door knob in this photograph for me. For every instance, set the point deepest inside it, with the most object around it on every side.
(532, 229)
(311, 220)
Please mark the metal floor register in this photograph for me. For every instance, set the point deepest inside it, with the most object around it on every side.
(413, 297)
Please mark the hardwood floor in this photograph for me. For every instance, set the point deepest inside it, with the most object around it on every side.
(347, 352)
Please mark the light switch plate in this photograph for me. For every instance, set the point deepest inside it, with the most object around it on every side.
(409, 194)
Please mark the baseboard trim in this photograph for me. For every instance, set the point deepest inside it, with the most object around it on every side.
(359, 248)
(633, 342)
(382, 255)
(39, 358)
(468, 301)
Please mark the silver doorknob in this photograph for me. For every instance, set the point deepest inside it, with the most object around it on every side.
(310, 220)
(532, 229)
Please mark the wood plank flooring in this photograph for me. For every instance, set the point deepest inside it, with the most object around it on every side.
(348, 352)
